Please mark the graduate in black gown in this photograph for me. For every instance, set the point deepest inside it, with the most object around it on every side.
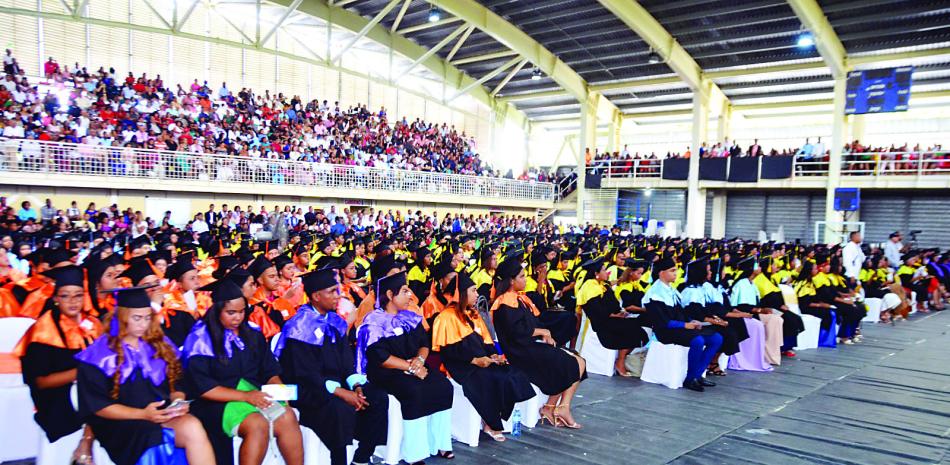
(616, 329)
(530, 348)
(561, 322)
(464, 342)
(671, 325)
(126, 380)
(334, 401)
(391, 349)
(226, 363)
(704, 302)
(47, 355)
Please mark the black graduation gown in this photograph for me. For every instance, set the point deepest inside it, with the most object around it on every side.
(561, 323)
(494, 390)
(255, 363)
(178, 327)
(551, 369)
(661, 314)
(614, 333)
(695, 311)
(124, 440)
(792, 324)
(335, 422)
(54, 411)
(418, 397)
(849, 314)
(806, 305)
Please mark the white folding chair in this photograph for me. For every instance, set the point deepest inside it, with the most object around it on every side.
(807, 339)
(874, 307)
(600, 360)
(466, 422)
(20, 433)
(392, 451)
(666, 364)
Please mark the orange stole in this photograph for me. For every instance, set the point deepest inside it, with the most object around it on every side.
(35, 301)
(512, 299)
(286, 308)
(9, 307)
(369, 304)
(175, 302)
(44, 331)
(448, 329)
(259, 317)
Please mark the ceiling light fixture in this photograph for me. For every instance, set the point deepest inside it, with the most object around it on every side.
(654, 58)
(805, 40)
(435, 14)
(536, 74)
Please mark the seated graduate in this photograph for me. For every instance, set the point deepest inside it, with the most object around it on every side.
(141, 273)
(616, 329)
(33, 292)
(351, 292)
(705, 303)
(442, 273)
(226, 362)
(465, 345)
(555, 371)
(560, 277)
(831, 288)
(672, 326)
(183, 304)
(127, 380)
(485, 270)
(561, 323)
(879, 283)
(47, 355)
(334, 401)
(743, 333)
(808, 300)
(745, 297)
(630, 288)
(391, 349)
(263, 316)
(771, 297)
(419, 277)
(102, 275)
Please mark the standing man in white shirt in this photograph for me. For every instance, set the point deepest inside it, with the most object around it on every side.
(852, 258)
(892, 250)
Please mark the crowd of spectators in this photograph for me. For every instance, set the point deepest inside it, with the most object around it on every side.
(103, 109)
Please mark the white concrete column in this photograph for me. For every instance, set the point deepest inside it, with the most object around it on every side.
(839, 135)
(718, 230)
(725, 123)
(696, 197)
(587, 138)
(613, 133)
(858, 128)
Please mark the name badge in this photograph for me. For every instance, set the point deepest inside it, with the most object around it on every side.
(86, 324)
(397, 331)
(284, 313)
(318, 333)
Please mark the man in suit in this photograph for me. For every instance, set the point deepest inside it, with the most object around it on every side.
(211, 216)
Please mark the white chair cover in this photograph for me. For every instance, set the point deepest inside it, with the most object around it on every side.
(874, 307)
(665, 364)
(600, 360)
(466, 422)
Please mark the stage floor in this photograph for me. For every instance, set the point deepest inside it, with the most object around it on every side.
(884, 401)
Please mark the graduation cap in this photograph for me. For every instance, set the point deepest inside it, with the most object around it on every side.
(69, 275)
(281, 261)
(140, 241)
(131, 297)
(747, 264)
(225, 289)
(443, 268)
(462, 282)
(511, 265)
(593, 266)
(381, 266)
(157, 255)
(390, 283)
(664, 264)
(301, 248)
(325, 261)
(696, 271)
(139, 268)
(181, 266)
(244, 255)
(259, 266)
(634, 263)
(319, 280)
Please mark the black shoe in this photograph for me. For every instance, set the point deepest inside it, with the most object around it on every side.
(694, 385)
(706, 383)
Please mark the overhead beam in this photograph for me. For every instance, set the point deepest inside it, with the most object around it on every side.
(432, 51)
(180, 23)
(507, 78)
(826, 40)
(534, 95)
(458, 45)
(80, 6)
(485, 57)
(428, 25)
(280, 21)
(491, 75)
(246, 37)
(638, 19)
(402, 12)
(640, 83)
(819, 102)
(517, 40)
(366, 28)
(156, 13)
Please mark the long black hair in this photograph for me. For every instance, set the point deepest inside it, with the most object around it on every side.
(216, 330)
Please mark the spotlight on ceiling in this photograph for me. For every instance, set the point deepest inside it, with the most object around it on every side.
(805, 40)
(536, 74)
(435, 14)
(653, 58)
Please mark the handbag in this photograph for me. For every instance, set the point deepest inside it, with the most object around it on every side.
(634, 363)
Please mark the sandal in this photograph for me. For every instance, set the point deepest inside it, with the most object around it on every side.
(446, 454)
(498, 436)
(551, 418)
(560, 421)
(715, 370)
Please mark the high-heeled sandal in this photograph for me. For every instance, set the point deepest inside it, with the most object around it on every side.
(559, 420)
(715, 369)
(446, 454)
(551, 418)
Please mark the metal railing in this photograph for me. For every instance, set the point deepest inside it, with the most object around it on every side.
(877, 164)
(22, 155)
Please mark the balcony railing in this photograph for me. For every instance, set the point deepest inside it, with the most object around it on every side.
(20, 155)
(876, 164)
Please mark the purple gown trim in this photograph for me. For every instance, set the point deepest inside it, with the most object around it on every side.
(198, 343)
(101, 356)
(310, 327)
(379, 325)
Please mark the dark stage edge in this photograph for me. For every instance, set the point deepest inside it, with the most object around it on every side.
(884, 401)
